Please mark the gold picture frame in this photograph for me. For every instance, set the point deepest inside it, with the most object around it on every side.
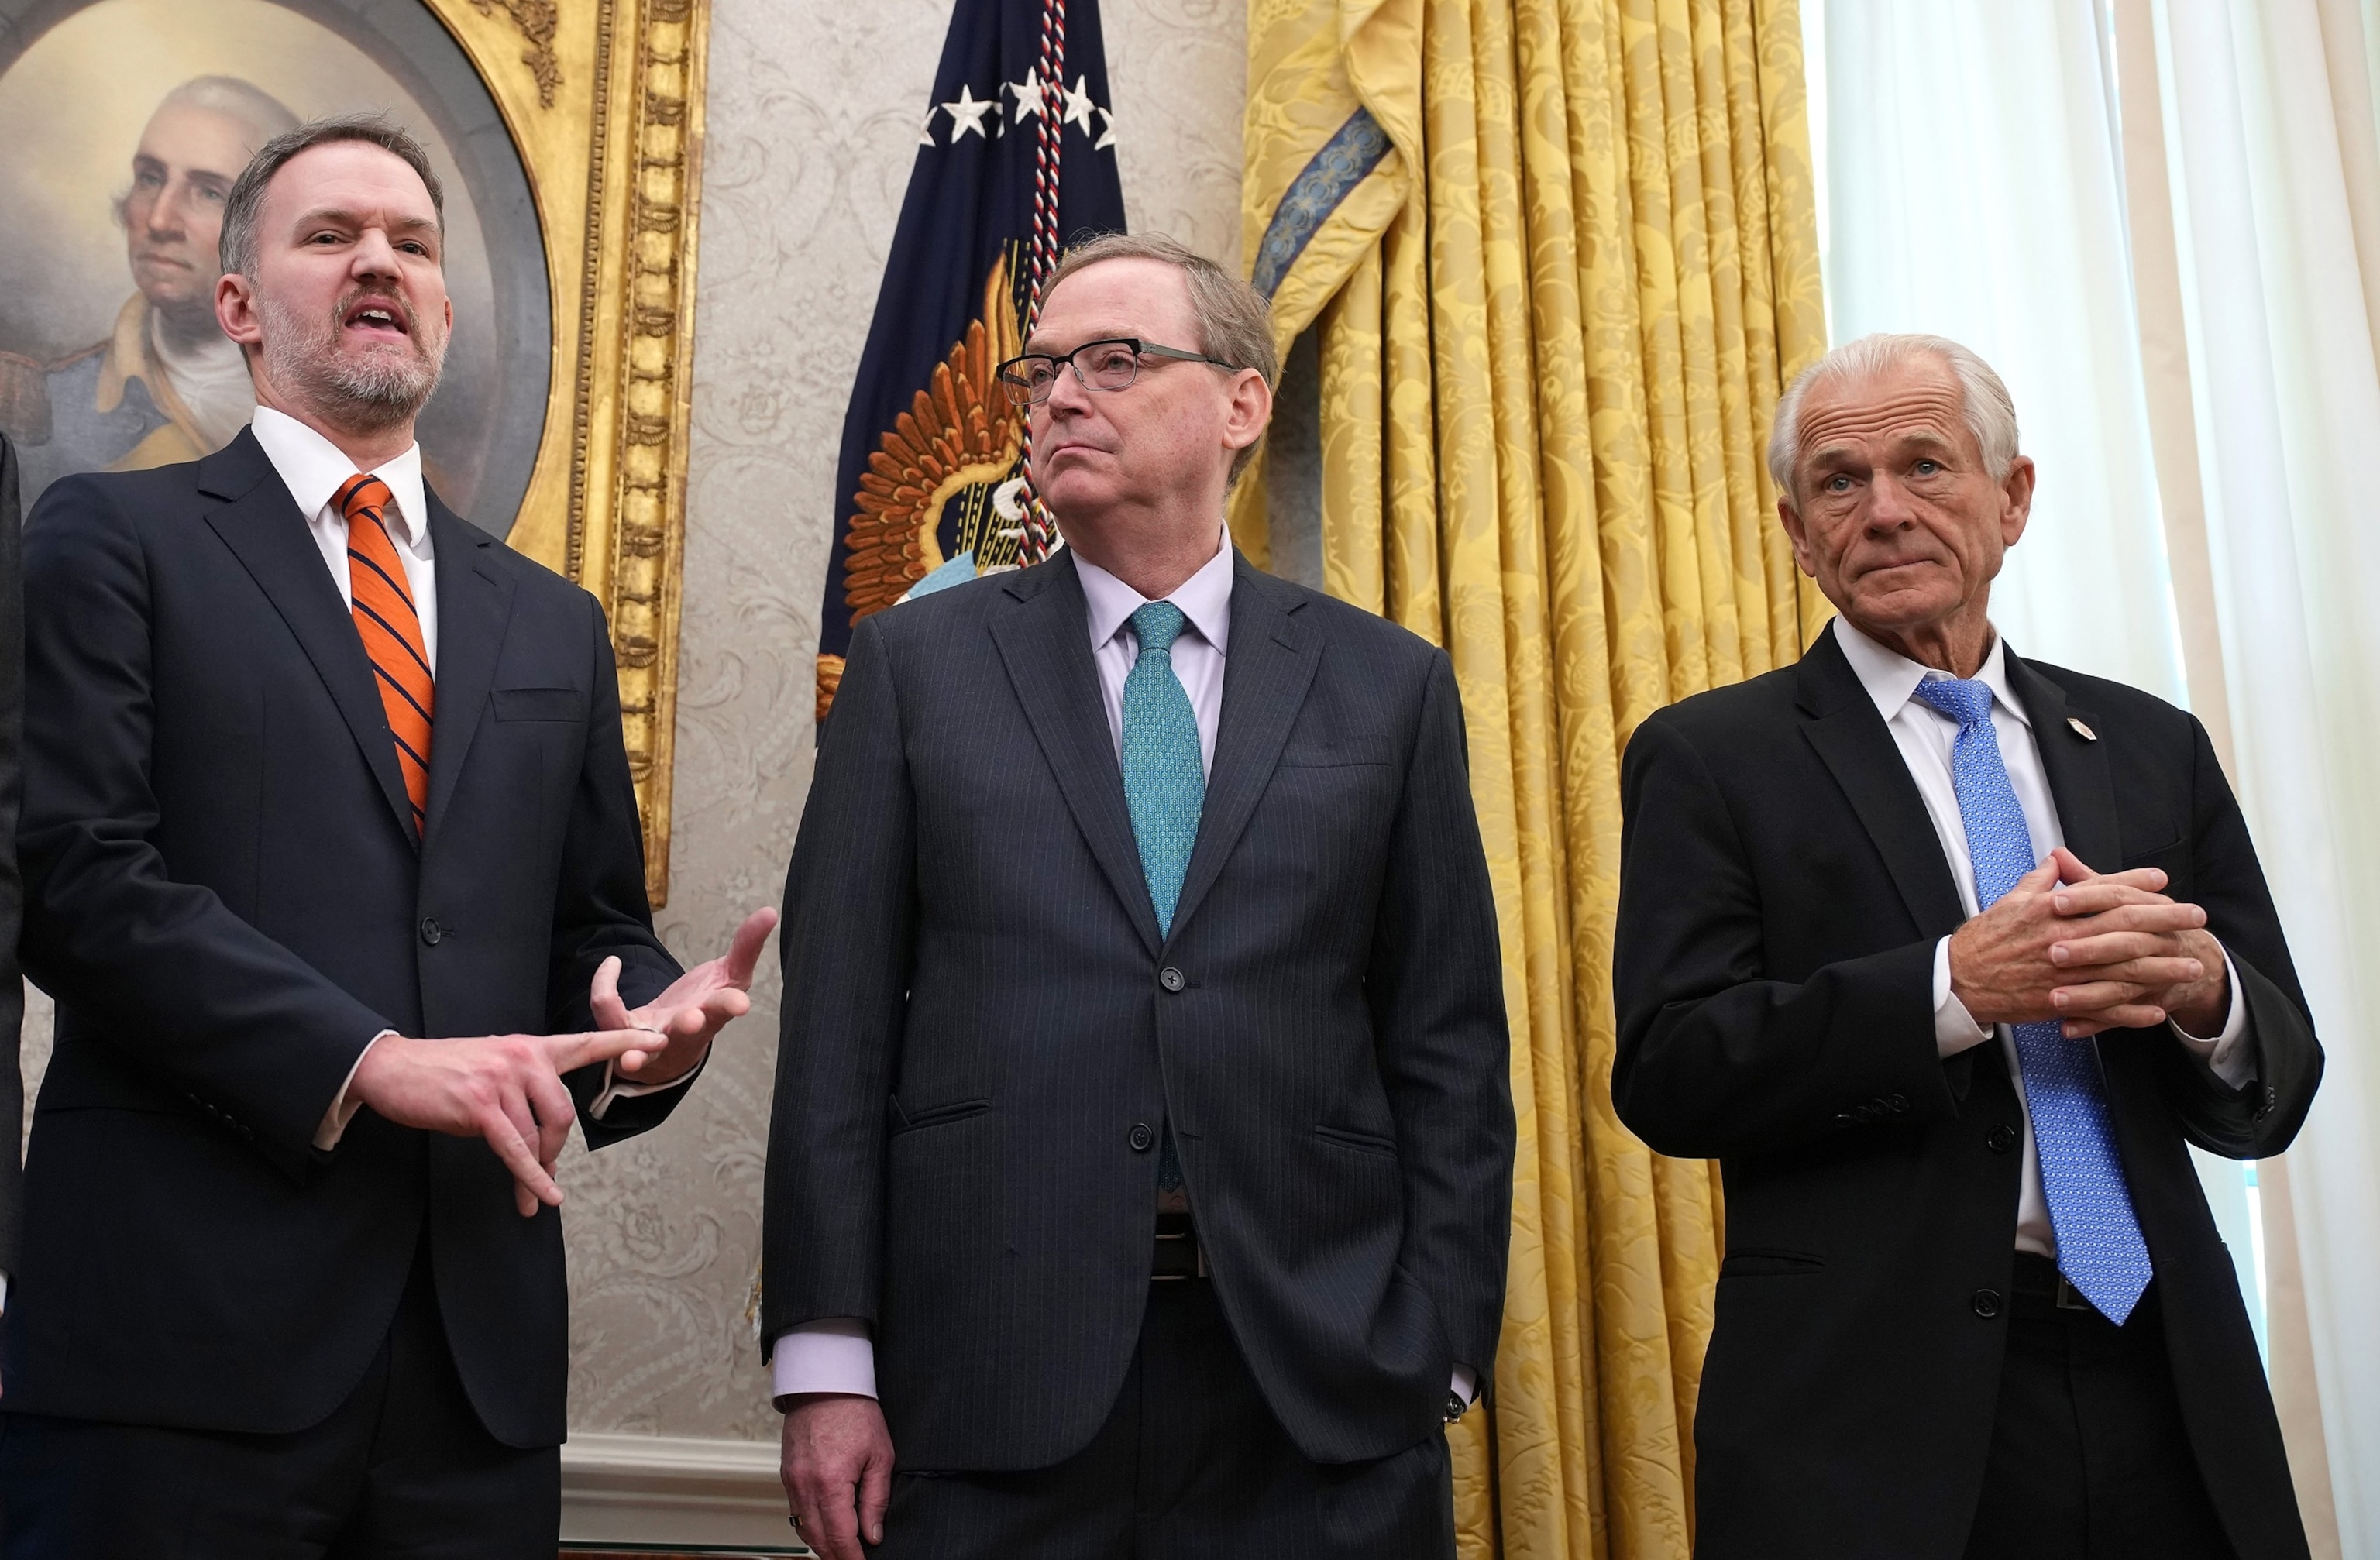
(604, 101)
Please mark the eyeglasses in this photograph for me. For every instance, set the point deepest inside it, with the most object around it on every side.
(1112, 364)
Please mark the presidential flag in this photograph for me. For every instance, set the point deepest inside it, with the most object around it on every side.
(1015, 160)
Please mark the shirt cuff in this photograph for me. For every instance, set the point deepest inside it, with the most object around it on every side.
(1467, 1383)
(1955, 1029)
(2227, 1055)
(832, 1354)
(343, 1110)
(618, 1088)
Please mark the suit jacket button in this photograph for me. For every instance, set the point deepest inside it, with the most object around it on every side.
(1172, 979)
(1898, 1102)
(431, 932)
(1141, 1138)
(1999, 1140)
(1987, 1303)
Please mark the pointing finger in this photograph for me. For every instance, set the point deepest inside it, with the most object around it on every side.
(568, 1053)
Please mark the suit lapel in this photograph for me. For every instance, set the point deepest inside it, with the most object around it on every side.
(1851, 740)
(475, 606)
(259, 521)
(2075, 766)
(1266, 675)
(1045, 644)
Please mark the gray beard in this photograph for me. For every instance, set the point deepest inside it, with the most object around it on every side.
(369, 394)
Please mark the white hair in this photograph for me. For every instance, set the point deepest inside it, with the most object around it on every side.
(262, 113)
(1984, 404)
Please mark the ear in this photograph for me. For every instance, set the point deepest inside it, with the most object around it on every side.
(1798, 534)
(235, 308)
(1250, 410)
(2016, 500)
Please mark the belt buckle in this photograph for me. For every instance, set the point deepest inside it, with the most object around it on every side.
(2070, 1298)
(1196, 1265)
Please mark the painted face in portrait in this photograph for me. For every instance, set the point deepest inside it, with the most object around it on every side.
(173, 214)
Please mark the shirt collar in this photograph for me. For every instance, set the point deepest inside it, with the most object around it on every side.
(1205, 599)
(1890, 677)
(313, 469)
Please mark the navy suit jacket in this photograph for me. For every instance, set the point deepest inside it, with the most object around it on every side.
(1781, 893)
(225, 896)
(983, 1028)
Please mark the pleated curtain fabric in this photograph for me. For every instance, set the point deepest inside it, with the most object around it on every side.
(1560, 258)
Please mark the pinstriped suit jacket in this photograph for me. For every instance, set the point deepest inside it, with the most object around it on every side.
(980, 1011)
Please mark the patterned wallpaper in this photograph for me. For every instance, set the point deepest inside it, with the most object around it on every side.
(812, 123)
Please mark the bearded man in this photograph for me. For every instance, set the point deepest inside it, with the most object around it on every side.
(315, 766)
(165, 384)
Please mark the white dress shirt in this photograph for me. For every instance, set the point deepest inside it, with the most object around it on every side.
(836, 1354)
(1924, 736)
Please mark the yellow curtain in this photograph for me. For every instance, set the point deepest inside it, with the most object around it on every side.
(1560, 257)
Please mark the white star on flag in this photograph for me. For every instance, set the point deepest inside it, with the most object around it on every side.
(968, 112)
(1029, 93)
(1079, 106)
(926, 135)
(1107, 131)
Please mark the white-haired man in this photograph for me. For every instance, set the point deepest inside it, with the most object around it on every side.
(1947, 955)
(165, 384)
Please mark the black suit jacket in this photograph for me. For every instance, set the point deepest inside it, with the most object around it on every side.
(983, 1028)
(225, 897)
(12, 889)
(1782, 890)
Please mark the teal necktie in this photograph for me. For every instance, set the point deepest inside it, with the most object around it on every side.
(1165, 786)
(1164, 783)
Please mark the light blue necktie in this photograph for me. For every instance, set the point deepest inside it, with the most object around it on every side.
(2099, 1245)
(1164, 783)
(1165, 786)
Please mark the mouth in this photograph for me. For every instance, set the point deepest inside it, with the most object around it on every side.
(375, 320)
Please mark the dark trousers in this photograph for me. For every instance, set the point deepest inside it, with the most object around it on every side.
(2089, 1457)
(402, 1468)
(1189, 1465)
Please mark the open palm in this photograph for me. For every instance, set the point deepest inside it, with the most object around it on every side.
(695, 1007)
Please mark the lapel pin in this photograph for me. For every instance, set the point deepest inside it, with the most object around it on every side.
(2085, 732)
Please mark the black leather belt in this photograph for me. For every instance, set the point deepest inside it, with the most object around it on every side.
(1178, 1253)
(2036, 1284)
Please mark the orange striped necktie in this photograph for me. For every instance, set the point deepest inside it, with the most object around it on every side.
(392, 632)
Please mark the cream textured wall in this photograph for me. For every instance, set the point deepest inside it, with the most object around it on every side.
(812, 127)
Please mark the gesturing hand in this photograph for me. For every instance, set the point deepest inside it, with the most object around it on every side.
(838, 1471)
(696, 1005)
(2097, 951)
(505, 1088)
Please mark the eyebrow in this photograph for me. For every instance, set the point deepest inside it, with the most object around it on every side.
(354, 219)
(1037, 346)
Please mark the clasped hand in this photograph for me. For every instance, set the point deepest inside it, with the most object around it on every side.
(2094, 951)
(507, 1088)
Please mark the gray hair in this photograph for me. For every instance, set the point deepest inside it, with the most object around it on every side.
(234, 99)
(1235, 320)
(1985, 403)
(237, 253)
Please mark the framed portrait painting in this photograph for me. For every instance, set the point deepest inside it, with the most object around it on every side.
(567, 136)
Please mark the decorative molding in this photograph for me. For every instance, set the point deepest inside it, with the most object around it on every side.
(673, 1493)
(606, 110)
(536, 19)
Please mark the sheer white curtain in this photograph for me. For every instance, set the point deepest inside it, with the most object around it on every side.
(2288, 393)
(1973, 185)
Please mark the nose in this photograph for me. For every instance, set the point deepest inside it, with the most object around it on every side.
(1068, 396)
(1889, 508)
(169, 213)
(374, 257)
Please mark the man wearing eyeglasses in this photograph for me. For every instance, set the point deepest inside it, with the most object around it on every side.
(1140, 1172)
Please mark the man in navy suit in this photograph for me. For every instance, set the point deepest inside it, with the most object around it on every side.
(1141, 1171)
(316, 768)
